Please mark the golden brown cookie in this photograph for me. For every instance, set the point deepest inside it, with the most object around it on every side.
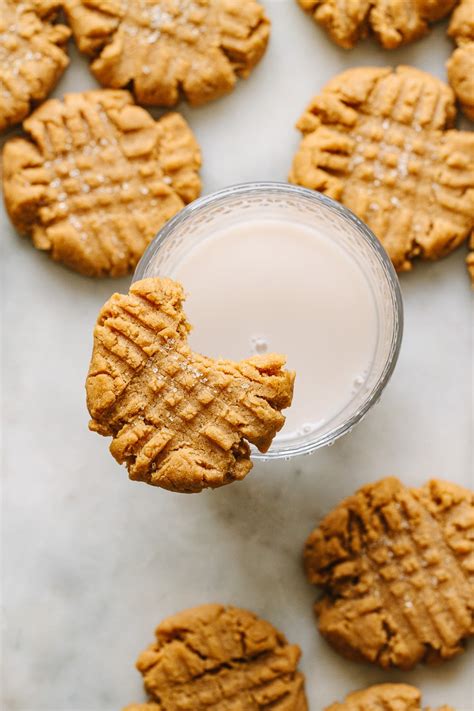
(165, 48)
(220, 658)
(393, 22)
(178, 420)
(396, 569)
(32, 55)
(461, 64)
(383, 697)
(97, 178)
(377, 140)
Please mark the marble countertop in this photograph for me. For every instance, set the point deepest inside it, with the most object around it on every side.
(91, 561)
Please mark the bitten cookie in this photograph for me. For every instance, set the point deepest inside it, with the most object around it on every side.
(215, 657)
(165, 48)
(97, 178)
(393, 22)
(461, 64)
(178, 420)
(384, 697)
(32, 55)
(396, 569)
(377, 140)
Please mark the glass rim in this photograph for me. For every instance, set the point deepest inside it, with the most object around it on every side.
(288, 450)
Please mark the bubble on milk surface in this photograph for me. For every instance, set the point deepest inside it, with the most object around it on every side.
(258, 345)
(359, 381)
(309, 427)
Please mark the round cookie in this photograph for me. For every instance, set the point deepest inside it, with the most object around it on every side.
(165, 48)
(378, 140)
(178, 419)
(32, 55)
(460, 66)
(383, 697)
(396, 570)
(215, 658)
(393, 22)
(97, 178)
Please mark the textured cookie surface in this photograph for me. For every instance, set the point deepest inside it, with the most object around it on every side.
(98, 178)
(394, 22)
(377, 140)
(384, 697)
(221, 658)
(461, 64)
(178, 420)
(396, 568)
(168, 47)
(32, 56)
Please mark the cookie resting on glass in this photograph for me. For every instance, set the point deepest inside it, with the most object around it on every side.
(178, 419)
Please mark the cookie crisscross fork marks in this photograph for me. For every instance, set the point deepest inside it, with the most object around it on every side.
(98, 179)
(378, 141)
(179, 420)
(168, 47)
(212, 657)
(394, 22)
(397, 570)
(32, 56)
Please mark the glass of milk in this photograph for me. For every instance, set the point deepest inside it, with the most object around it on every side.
(271, 267)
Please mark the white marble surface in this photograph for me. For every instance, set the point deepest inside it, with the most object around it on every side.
(91, 561)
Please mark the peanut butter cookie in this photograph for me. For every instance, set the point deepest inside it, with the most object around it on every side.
(383, 697)
(393, 22)
(461, 64)
(32, 55)
(167, 47)
(97, 179)
(396, 569)
(217, 658)
(377, 140)
(178, 420)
